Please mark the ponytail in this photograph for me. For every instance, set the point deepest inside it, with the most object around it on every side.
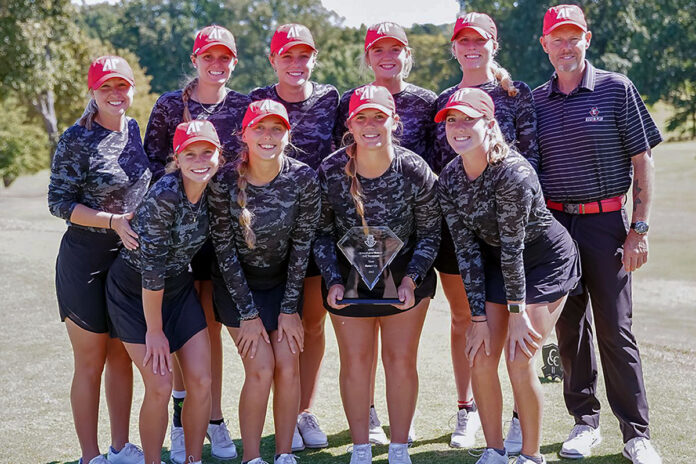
(186, 96)
(503, 77)
(498, 149)
(245, 216)
(356, 190)
(88, 115)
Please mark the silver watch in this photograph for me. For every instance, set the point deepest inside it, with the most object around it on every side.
(641, 227)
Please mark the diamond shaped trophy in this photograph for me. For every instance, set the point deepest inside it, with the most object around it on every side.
(370, 250)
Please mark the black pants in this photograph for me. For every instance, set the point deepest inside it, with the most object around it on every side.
(607, 286)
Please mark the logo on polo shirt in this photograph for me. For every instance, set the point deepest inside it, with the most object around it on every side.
(594, 115)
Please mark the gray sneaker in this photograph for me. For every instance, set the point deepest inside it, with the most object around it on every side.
(513, 439)
(312, 435)
(377, 435)
(491, 456)
(177, 450)
(361, 454)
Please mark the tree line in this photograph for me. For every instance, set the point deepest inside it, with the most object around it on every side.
(47, 46)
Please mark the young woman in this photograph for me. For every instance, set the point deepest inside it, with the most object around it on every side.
(98, 176)
(474, 44)
(151, 297)
(389, 57)
(263, 260)
(374, 182)
(312, 111)
(205, 97)
(516, 261)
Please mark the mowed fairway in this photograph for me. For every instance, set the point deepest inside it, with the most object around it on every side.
(36, 360)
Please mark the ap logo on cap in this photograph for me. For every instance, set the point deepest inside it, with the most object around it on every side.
(564, 12)
(216, 33)
(367, 92)
(266, 106)
(471, 17)
(384, 28)
(294, 31)
(110, 64)
(460, 94)
(194, 127)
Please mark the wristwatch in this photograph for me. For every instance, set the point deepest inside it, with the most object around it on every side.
(516, 308)
(641, 227)
(417, 279)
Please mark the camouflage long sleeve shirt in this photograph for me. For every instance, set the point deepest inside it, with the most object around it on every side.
(312, 121)
(516, 117)
(168, 112)
(170, 231)
(416, 109)
(286, 211)
(102, 169)
(505, 208)
(404, 198)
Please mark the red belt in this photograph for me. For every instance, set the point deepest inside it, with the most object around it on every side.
(602, 206)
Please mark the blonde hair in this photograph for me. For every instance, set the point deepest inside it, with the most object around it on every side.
(498, 149)
(503, 77)
(356, 190)
(186, 96)
(245, 216)
(88, 115)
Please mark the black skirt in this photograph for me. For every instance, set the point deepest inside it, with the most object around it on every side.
(182, 314)
(83, 261)
(446, 260)
(202, 261)
(551, 266)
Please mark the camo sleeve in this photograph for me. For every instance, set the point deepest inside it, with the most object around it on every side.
(526, 126)
(222, 231)
(158, 142)
(301, 238)
(325, 243)
(68, 173)
(466, 245)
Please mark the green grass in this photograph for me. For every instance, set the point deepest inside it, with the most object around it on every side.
(36, 360)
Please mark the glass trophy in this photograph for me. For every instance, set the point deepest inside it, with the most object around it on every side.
(370, 250)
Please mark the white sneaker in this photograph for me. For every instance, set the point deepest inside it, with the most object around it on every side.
(377, 435)
(513, 439)
(129, 454)
(524, 460)
(311, 433)
(361, 454)
(257, 461)
(177, 450)
(285, 459)
(640, 451)
(580, 442)
(398, 453)
(221, 444)
(100, 459)
(464, 435)
(297, 442)
(491, 456)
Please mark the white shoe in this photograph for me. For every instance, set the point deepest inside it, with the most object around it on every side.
(297, 442)
(361, 454)
(411, 433)
(513, 439)
(129, 454)
(377, 435)
(398, 453)
(285, 459)
(464, 435)
(524, 460)
(491, 456)
(257, 461)
(580, 442)
(177, 450)
(311, 433)
(221, 444)
(640, 451)
(100, 459)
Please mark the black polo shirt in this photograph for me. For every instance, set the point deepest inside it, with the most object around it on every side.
(587, 138)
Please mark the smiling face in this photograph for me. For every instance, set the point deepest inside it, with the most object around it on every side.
(566, 47)
(466, 135)
(214, 65)
(388, 58)
(294, 66)
(114, 97)
(198, 162)
(266, 139)
(472, 50)
(372, 129)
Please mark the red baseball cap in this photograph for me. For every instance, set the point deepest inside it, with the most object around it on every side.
(473, 102)
(106, 67)
(289, 35)
(189, 132)
(561, 15)
(480, 22)
(260, 109)
(371, 96)
(213, 35)
(385, 30)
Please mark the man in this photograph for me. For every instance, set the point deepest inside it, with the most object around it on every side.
(595, 137)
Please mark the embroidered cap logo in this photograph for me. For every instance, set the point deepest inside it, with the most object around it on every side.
(367, 92)
(216, 33)
(460, 94)
(294, 31)
(194, 127)
(563, 12)
(470, 17)
(110, 64)
(384, 28)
